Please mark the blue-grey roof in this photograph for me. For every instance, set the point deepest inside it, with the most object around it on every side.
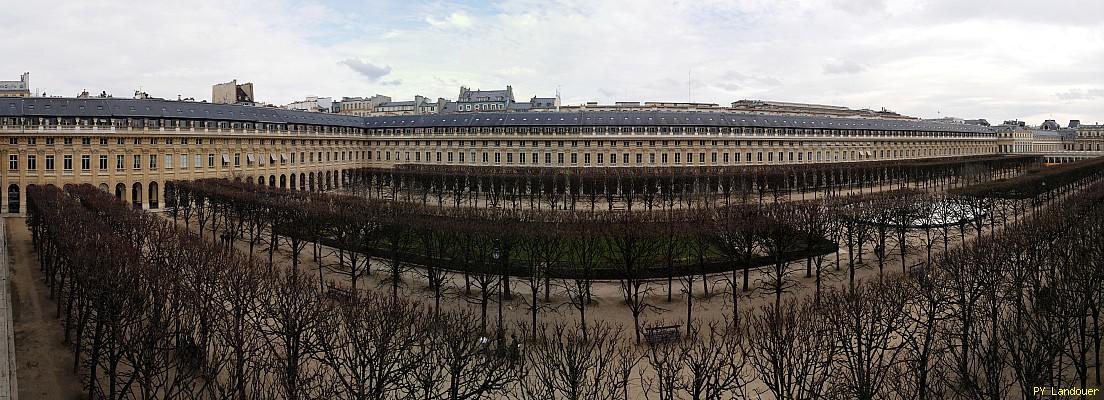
(667, 118)
(133, 108)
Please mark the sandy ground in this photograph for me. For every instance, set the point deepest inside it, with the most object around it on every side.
(608, 303)
(45, 365)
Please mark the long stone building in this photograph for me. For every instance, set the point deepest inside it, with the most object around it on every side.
(133, 147)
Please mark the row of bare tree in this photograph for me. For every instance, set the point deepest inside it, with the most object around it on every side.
(155, 312)
(550, 251)
(665, 188)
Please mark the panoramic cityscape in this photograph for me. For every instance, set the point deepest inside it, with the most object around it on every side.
(551, 200)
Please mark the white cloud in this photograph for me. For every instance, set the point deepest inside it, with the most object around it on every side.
(1081, 94)
(457, 19)
(838, 67)
(969, 59)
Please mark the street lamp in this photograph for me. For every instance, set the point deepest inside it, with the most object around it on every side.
(496, 255)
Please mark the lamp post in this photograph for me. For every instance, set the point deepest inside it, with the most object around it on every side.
(497, 255)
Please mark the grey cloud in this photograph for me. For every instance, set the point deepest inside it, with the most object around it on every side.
(729, 87)
(369, 70)
(859, 7)
(1080, 94)
(843, 67)
(737, 79)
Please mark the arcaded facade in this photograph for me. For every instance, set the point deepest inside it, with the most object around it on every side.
(656, 138)
(133, 147)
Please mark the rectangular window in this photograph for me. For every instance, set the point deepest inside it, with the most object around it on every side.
(237, 159)
(86, 163)
(137, 161)
(559, 158)
(639, 158)
(103, 163)
(32, 162)
(183, 160)
(50, 162)
(211, 160)
(67, 162)
(13, 162)
(168, 161)
(153, 161)
(119, 162)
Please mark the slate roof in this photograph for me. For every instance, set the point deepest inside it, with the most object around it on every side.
(667, 118)
(132, 108)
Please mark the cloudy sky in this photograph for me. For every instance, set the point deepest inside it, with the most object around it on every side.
(995, 59)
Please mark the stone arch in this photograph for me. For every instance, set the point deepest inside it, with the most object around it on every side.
(136, 195)
(120, 191)
(272, 180)
(249, 180)
(260, 180)
(170, 194)
(292, 183)
(312, 181)
(13, 198)
(154, 196)
(302, 181)
(103, 186)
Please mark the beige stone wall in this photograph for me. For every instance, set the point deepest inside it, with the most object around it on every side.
(302, 158)
(315, 155)
(576, 151)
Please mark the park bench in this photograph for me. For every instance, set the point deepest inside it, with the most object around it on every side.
(338, 293)
(662, 334)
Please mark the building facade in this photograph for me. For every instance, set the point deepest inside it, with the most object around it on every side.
(624, 139)
(313, 104)
(1088, 138)
(20, 88)
(233, 93)
(484, 100)
(133, 147)
(362, 106)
